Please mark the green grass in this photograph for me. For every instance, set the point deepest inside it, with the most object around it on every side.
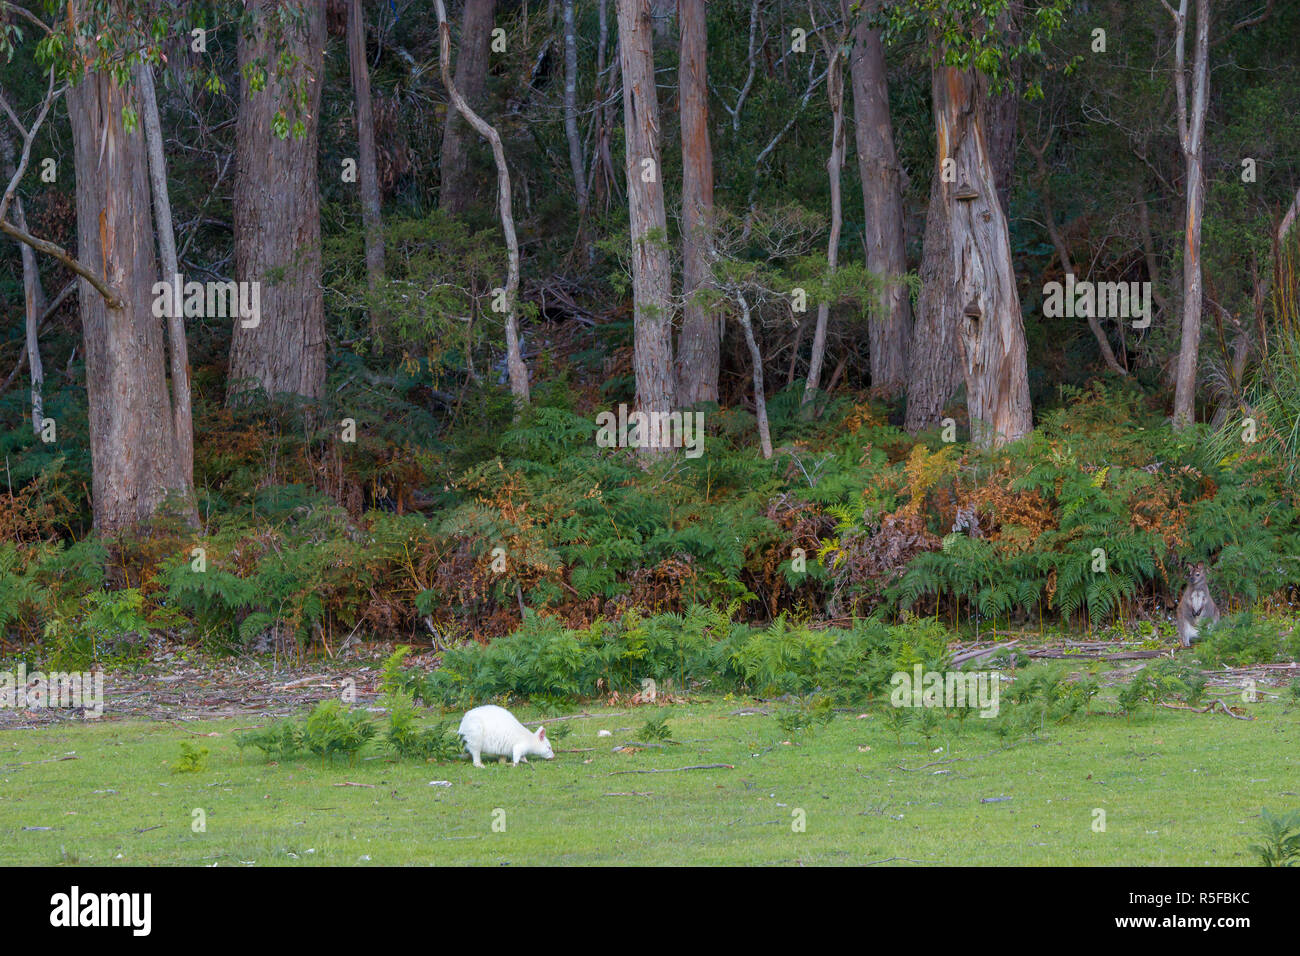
(1177, 788)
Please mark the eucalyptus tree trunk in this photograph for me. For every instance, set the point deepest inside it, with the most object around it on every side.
(989, 325)
(33, 292)
(699, 344)
(890, 328)
(367, 167)
(834, 164)
(277, 215)
(934, 355)
(652, 357)
(571, 134)
(760, 393)
(135, 461)
(178, 349)
(34, 303)
(1191, 135)
(514, 357)
(1004, 107)
(455, 193)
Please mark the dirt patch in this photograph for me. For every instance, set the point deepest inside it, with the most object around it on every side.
(171, 688)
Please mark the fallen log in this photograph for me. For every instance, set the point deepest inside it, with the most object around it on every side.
(703, 766)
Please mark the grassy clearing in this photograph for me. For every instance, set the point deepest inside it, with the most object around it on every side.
(1177, 788)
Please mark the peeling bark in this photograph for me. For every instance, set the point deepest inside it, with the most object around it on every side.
(133, 449)
(990, 326)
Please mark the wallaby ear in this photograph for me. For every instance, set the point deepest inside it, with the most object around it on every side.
(541, 733)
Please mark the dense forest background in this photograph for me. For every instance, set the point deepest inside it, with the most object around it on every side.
(832, 228)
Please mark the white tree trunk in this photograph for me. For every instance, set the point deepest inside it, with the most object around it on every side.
(514, 357)
(177, 348)
(760, 396)
(835, 91)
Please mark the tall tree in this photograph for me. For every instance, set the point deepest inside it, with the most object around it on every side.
(1191, 137)
(514, 357)
(699, 344)
(969, 325)
(834, 165)
(33, 291)
(133, 444)
(177, 347)
(652, 358)
(571, 134)
(1004, 106)
(990, 326)
(890, 329)
(454, 194)
(135, 453)
(367, 167)
(934, 357)
(277, 204)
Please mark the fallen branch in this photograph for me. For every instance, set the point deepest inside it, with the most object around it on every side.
(28, 763)
(901, 859)
(703, 766)
(982, 652)
(1053, 654)
(1228, 710)
(935, 763)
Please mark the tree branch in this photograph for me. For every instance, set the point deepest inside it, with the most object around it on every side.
(111, 297)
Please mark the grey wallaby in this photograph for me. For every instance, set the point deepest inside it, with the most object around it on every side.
(1197, 607)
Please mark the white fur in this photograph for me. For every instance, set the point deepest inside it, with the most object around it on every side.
(494, 731)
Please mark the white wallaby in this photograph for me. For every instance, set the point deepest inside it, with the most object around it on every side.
(494, 731)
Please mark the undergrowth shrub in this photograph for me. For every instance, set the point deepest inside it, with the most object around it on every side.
(1087, 522)
(703, 647)
(1239, 640)
(404, 736)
